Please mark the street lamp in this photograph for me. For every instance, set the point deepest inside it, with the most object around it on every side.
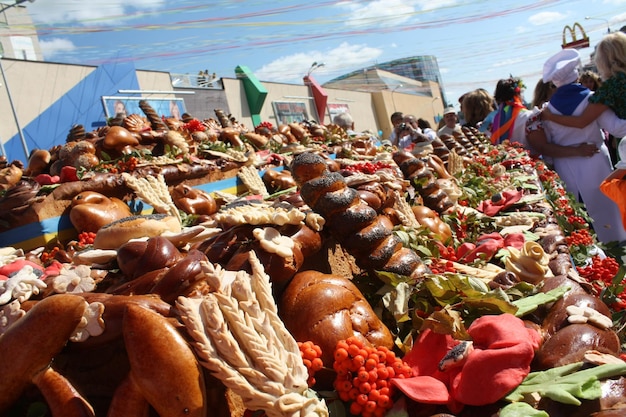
(432, 104)
(393, 91)
(314, 66)
(608, 28)
(6, 85)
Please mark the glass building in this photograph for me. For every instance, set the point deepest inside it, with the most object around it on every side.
(422, 68)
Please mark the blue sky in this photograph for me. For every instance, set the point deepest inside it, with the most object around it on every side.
(476, 42)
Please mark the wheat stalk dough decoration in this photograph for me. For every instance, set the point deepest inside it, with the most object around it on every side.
(242, 341)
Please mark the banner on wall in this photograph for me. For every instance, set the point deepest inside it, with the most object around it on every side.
(289, 112)
(168, 107)
(337, 108)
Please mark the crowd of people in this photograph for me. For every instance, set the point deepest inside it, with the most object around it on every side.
(204, 79)
(574, 122)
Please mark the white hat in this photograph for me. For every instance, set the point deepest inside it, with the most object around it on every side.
(621, 150)
(562, 68)
(449, 110)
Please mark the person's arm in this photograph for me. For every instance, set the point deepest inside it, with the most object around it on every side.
(591, 113)
(539, 142)
(612, 124)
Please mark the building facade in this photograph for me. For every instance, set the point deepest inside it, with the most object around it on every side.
(421, 68)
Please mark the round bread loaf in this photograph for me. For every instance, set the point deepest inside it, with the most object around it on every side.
(570, 344)
(325, 309)
(557, 316)
(91, 210)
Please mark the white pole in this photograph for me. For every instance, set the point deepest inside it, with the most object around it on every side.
(17, 122)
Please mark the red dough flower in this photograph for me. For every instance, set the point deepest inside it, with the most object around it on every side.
(507, 199)
(503, 348)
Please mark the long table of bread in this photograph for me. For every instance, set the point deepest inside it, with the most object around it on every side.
(199, 267)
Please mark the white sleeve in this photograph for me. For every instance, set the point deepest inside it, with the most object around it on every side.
(612, 124)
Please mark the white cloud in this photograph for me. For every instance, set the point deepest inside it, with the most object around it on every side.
(618, 19)
(53, 46)
(387, 13)
(342, 59)
(379, 12)
(54, 11)
(508, 62)
(522, 29)
(545, 18)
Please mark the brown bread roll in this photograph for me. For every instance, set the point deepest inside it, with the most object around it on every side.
(325, 309)
(91, 210)
(30, 344)
(115, 234)
(570, 344)
(557, 316)
(139, 257)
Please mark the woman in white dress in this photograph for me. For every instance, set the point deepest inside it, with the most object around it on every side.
(579, 156)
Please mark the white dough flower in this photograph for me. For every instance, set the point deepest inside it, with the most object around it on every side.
(91, 324)
(74, 280)
(9, 314)
(273, 242)
(21, 286)
(9, 255)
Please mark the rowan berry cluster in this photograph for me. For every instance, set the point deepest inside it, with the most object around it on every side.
(577, 221)
(86, 238)
(579, 237)
(194, 125)
(367, 167)
(311, 356)
(121, 165)
(600, 270)
(364, 374)
(441, 266)
(447, 252)
(49, 256)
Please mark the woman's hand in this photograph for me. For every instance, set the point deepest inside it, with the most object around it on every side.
(587, 149)
(546, 114)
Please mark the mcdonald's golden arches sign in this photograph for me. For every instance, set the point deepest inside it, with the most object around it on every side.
(578, 41)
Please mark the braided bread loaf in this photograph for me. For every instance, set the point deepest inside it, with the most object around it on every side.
(477, 138)
(452, 144)
(367, 235)
(155, 121)
(424, 180)
(441, 150)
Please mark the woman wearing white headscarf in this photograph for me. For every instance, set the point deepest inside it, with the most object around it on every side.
(579, 156)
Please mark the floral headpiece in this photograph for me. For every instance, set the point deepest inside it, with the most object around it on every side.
(518, 85)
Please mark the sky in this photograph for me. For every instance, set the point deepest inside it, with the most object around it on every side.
(476, 43)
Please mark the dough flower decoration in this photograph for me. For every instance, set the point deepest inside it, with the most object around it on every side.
(451, 188)
(9, 314)
(21, 285)
(9, 254)
(499, 202)
(273, 242)
(530, 263)
(91, 323)
(73, 280)
(458, 373)
(242, 341)
(257, 214)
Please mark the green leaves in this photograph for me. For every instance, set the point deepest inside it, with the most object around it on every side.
(529, 304)
(567, 384)
(521, 410)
